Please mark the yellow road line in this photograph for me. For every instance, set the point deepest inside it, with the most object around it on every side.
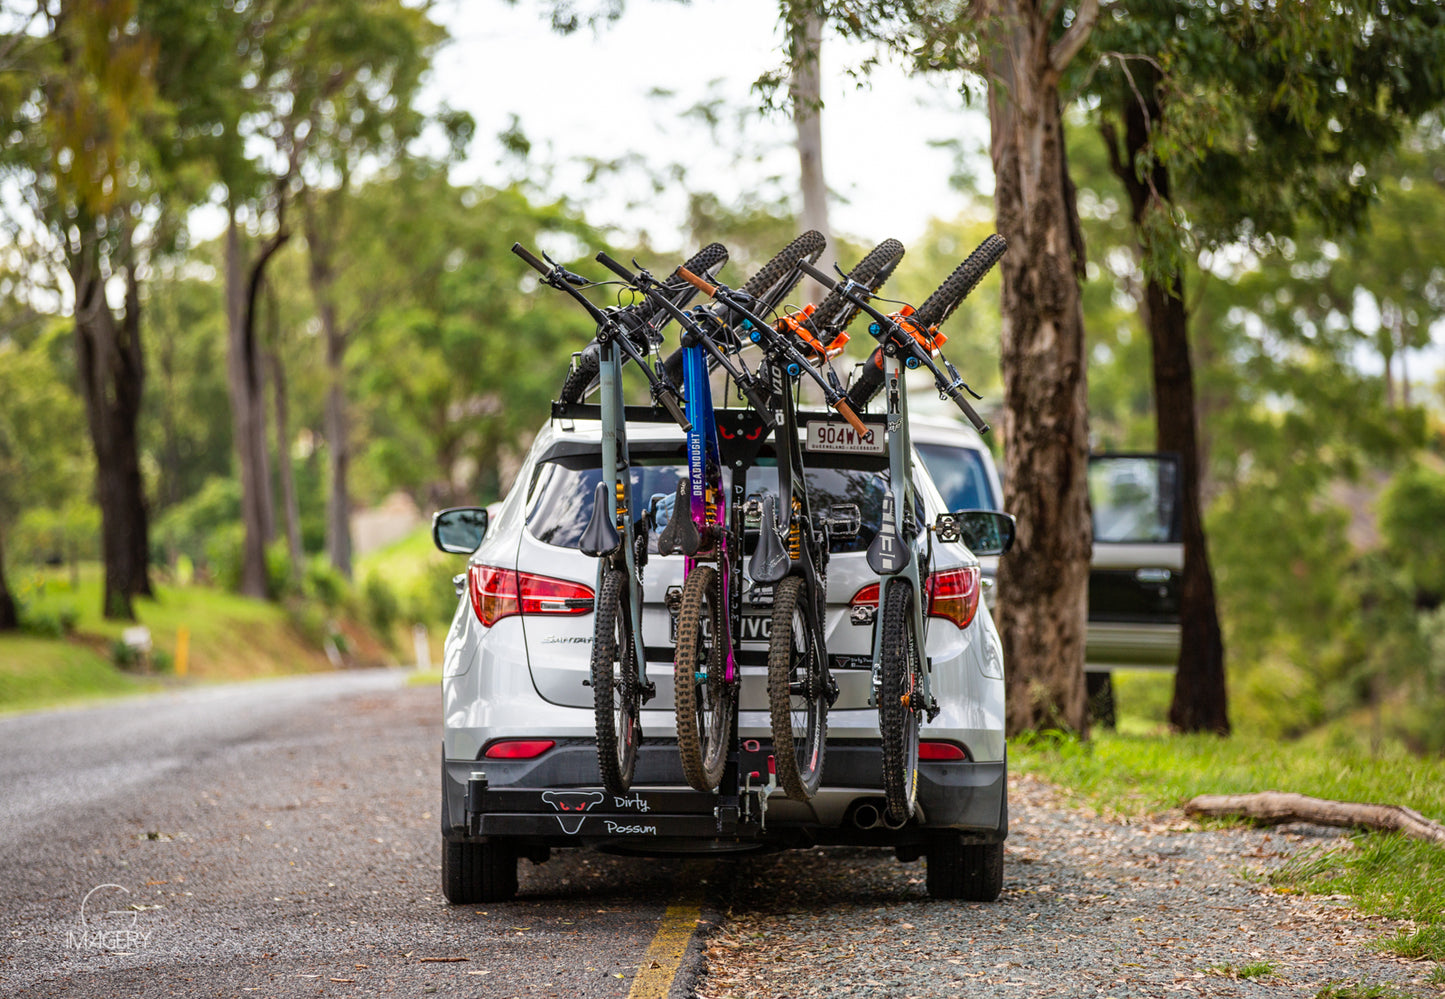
(666, 950)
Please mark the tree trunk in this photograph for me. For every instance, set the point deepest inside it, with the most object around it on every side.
(112, 379)
(284, 471)
(338, 430)
(1044, 579)
(246, 382)
(1200, 702)
(805, 35)
(9, 613)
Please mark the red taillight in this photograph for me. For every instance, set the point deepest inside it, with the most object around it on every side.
(945, 752)
(497, 593)
(866, 597)
(518, 749)
(953, 594)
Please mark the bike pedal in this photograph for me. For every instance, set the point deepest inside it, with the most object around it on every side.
(649, 691)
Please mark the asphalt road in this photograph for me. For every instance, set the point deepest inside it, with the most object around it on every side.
(281, 839)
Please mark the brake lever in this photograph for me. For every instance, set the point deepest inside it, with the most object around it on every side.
(576, 280)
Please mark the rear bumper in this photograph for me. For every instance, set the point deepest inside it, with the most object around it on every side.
(557, 801)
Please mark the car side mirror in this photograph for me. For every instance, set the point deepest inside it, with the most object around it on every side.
(983, 532)
(459, 530)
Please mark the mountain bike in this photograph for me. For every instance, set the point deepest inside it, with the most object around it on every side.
(705, 527)
(645, 321)
(901, 553)
(791, 555)
(614, 537)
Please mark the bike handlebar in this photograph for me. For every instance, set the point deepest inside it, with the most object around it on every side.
(661, 391)
(616, 268)
(888, 327)
(835, 399)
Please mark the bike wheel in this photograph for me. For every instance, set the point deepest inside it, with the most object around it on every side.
(900, 701)
(836, 312)
(616, 693)
(955, 288)
(703, 697)
(797, 692)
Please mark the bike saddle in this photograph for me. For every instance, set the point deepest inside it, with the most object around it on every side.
(601, 537)
(888, 553)
(680, 534)
(770, 560)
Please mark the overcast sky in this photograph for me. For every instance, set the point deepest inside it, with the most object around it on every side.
(586, 95)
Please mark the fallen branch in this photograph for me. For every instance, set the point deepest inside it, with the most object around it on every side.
(1276, 807)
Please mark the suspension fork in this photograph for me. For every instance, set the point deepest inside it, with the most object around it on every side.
(617, 473)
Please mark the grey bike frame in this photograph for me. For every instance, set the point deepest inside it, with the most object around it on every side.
(617, 473)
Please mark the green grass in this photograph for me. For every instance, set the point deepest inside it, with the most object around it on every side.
(1386, 874)
(1361, 990)
(1255, 969)
(230, 637)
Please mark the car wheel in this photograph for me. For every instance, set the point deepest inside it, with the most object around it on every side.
(478, 872)
(969, 871)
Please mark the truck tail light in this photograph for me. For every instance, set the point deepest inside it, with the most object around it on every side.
(497, 593)
(866, 597)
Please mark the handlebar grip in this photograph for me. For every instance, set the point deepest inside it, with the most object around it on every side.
(842, 407)
(526, 255)
(822, 277)
(673, 410)
(615, 267)
(707, 289)
(979, 423)
(761, 403)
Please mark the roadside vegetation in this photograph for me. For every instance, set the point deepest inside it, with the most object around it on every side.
(1385, 874)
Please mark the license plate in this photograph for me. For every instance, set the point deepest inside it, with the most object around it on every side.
(754, 627)
(840, 437)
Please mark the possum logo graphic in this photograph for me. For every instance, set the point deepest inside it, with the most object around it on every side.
(574, 803)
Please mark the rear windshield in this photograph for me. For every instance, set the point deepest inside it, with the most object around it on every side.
(562, 498)
(960, 475)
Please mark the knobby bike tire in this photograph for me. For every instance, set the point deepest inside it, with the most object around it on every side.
(836, 312)
(965, 277)
(770, 285)
(899, 699)
(704, 703)
(582, 378)
(616, 693)
(797, 693)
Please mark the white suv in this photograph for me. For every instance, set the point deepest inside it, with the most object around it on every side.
(519, 769)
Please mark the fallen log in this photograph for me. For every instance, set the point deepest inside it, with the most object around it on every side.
(1277, 807)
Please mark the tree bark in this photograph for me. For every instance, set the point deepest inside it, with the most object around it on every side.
(1278, 807)
(1200, 702)
(805, 34)
(322, 274)
(1044, 579)
(9, 613)
(112, 380)
(284, 472)
(246, 381)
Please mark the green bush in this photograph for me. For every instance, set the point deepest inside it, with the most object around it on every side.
(48, 622)
(380, 602)
(222, 556)
(325, 584)
(280, 580)
(194, 526)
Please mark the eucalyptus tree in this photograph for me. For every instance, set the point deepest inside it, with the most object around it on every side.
(1228, 122)
(101, 135)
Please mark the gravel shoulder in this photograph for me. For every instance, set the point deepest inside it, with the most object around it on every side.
(1092, 906)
